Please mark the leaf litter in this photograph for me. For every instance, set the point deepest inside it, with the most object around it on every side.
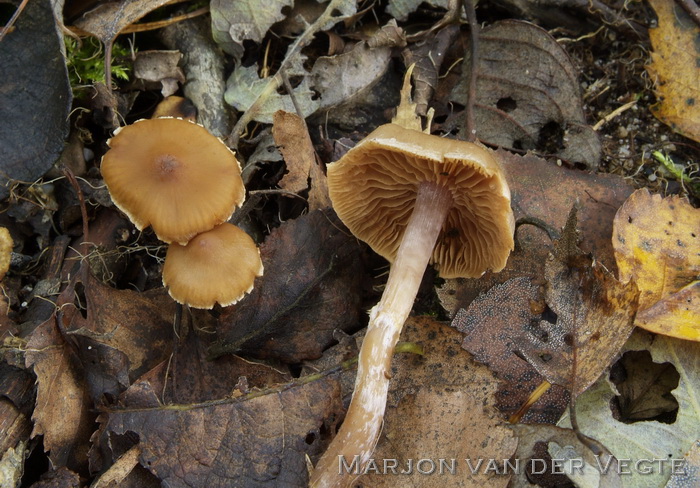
(157, 387)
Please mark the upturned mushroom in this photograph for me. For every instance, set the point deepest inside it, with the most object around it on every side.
(172, 175)
(415, 199)
(217, 266)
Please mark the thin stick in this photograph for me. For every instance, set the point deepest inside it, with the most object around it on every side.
(473, 68)
(13, 19)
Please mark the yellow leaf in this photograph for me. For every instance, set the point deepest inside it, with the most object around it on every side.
(674, 69)
(657, 243)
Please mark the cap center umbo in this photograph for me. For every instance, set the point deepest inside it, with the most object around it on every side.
(166, 166)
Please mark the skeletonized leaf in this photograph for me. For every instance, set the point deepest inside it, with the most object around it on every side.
(648, 439)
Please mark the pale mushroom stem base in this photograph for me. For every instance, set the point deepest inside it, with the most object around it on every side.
(354, 443)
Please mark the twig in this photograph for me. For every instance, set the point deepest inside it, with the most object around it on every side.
(691, 9)
(474, 66)
(13, 19)
(276, 80)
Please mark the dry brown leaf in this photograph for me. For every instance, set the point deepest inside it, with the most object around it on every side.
(303, 165)
(107, 20)
(545, 191)
(675, 70)
(595, 316)
(491, 326)
(657, 243)
(527, 86)
(428, 57)
(439, 406)
(258, 440)
(293, 141)
(312, 286)
(63, 413)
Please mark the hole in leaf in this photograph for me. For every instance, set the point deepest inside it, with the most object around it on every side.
(645, 389)
(506, 104)
(551, 138)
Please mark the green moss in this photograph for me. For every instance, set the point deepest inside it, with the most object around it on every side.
(86, 63)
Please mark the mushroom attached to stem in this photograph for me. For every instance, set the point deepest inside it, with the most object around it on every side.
(414, 198)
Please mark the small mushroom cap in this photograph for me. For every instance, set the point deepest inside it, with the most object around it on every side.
(218, 266)
(173, 175)
(373, 189)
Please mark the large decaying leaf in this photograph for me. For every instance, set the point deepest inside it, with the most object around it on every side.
(63, 410)
(595, 316)
(439, 407)
(647, 440)
(35, 96)
(257, 440)
(311, 287)
(674, 68)
(527, 85)
(657, 243)
(107, 20)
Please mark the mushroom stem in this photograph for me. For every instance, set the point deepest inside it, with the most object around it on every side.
(352, 447)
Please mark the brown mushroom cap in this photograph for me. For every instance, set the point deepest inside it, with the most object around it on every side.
(373, 189)
(173, 175)
(218, 266)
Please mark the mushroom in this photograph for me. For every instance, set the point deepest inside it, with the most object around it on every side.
(173, 175)
(174, 106)
(218, 266)
(414, 198)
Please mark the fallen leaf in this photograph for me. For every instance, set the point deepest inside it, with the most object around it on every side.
(225, 440)
(674, 69)
(527, 91)
(439, 407)
(647, 440)
(491, 326)
(568, 456)
(546, 192)
(63, 413)
(428, 57)
(303, 165)
(34, 91)
(312, 286)
(594, 317)
(657, 243)
(341, 78)
(245, 91)
(161, 68)
(234, 21)
(107, 20)
(124, 334)
(689, 473)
